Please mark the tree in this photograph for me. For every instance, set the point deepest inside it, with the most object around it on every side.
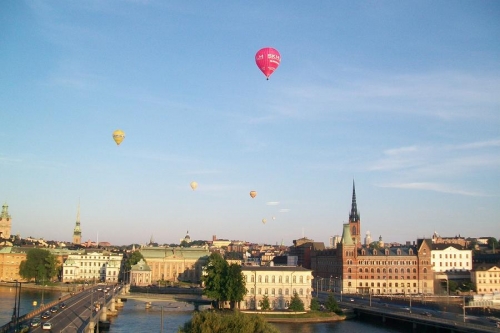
(40, 265)
(134, 258)
(492, 243)
(235, 284)
(218, 322)
(222, 281)
(296, 303)
(264, 303)
(214, 280)
(331, 304)
(315, 304)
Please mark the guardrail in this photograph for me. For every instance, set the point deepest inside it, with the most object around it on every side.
(441, 323)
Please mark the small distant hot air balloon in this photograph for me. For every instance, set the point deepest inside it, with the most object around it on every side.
(264, 221)
(118, 136)
(253, 194)
(194, 185)
(267, 59)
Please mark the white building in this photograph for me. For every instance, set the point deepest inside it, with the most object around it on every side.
(450, 257)
(279, 283)
(92, 266)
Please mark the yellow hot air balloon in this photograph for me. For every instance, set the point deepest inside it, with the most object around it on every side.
(194, 185)
(264, 221)
(118, 136)
(253, 194)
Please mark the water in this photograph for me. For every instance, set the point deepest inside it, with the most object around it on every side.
(134, 317)
(7, 297)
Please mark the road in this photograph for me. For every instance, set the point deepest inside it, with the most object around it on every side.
(75, 316)
(420, 309)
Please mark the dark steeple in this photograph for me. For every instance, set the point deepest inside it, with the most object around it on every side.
(353, 215)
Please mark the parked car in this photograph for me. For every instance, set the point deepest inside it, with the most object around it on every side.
(47, 326)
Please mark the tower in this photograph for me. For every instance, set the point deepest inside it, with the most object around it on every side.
(77, 232)
(5, 222)
(354, 219)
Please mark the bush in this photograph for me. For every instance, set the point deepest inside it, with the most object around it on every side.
(315, 304)
(226, 322)
(296, 303)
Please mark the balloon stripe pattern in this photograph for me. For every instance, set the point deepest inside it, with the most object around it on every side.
(268, 59)
(118, 136)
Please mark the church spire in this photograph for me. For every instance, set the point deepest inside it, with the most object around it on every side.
(354, 215)
(77, 232)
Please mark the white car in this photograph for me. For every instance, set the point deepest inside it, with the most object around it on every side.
(47, 326)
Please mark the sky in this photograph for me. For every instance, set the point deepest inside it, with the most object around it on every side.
(401, 97)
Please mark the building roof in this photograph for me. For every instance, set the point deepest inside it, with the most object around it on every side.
(392, 251)
(175, 252)
(486, 267)
(140, 266)
(443, 246)
(275, 268)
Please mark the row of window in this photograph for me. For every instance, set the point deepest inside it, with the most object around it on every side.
(390, 284)
(372, 270)
(484, 281)
(90, 271)
(484, 275)
(454, 256)
(390, 277)
(451, 264)
(280, 291)
(273, 279)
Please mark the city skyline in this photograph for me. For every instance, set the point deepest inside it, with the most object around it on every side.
(402, 98)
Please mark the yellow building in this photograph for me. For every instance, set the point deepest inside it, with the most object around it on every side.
(9, 264)
(175, 263)
(486, 278)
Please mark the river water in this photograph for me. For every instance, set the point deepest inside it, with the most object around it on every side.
(134, 317)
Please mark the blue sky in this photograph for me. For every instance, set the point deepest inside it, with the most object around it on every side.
(401, 96)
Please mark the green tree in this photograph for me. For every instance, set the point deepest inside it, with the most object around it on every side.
(215, 278)
(264, 303)
(235, 284)
(315, 304)
(134, 258)
(331, 304)
(223, 282)
(296, 303)
(492, 243)
(219, 322)
(40, 265)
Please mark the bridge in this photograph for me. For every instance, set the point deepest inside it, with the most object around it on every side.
(86, 308)
(79, 314)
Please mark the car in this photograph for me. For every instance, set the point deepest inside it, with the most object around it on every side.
(46, 315)
(35, 322)
(54, 309)
(351, 299)
(425, 313)
(62, 305)
(47, 326)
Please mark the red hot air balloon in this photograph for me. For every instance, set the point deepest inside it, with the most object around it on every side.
(268, 59)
